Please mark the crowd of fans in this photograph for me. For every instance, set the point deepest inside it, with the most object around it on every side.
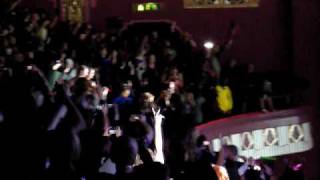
(78, 103)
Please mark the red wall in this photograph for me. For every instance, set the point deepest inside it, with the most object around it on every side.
(306, 44)
(261, 38)
(34, 4)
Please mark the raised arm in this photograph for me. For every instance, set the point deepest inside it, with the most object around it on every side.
(60, 114)
(42, 76)
(14, 5)
(159, 156)
(81, 124)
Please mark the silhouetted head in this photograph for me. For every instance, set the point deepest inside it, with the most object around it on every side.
(123, 152)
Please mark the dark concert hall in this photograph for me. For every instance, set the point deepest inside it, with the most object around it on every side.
(159, 89)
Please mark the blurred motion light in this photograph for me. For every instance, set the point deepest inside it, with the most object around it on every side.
(208, 45)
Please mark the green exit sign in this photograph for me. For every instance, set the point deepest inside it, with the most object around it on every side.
(145, 7)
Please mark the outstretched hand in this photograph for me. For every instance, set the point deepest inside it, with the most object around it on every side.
(159, 156)
(157, 116)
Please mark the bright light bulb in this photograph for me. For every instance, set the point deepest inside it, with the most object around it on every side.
(140, 7)
(208, 45)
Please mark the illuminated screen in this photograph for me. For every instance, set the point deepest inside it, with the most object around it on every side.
(146, 7)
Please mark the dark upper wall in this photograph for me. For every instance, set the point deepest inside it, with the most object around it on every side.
(47, 4)
(306, 30)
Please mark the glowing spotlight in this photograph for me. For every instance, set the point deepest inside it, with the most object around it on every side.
(208, 45)
(140, 7)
